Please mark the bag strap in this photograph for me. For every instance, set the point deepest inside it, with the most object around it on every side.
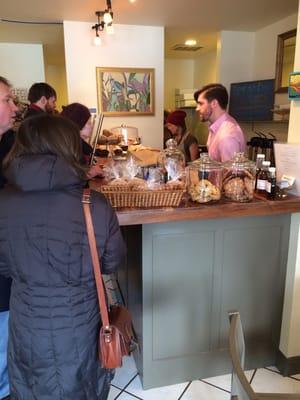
(86, 201)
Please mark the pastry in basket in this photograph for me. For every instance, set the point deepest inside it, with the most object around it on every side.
(119, 182)
(175, 185)
(138, 184)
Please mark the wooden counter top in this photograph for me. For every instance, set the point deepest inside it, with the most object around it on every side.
(191, 211)
(222, 209)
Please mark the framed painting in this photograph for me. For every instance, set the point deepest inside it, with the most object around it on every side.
(294, 86)
(125, 91)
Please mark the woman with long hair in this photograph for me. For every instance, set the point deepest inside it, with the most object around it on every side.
(54, 314)
(186, 142)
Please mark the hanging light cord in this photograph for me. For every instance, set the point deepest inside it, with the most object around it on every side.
(30, 22)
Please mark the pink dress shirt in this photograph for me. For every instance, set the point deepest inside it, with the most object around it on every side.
(225, 138)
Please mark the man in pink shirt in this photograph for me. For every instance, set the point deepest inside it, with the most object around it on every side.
(225, 135)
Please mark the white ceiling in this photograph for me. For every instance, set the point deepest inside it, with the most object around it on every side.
(200, 19)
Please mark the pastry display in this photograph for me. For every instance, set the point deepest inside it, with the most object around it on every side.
(204, 179)
(204, 191)
(109, 137)
(239, 179)
(239, 189)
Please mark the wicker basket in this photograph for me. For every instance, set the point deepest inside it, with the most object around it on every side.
(120, 196)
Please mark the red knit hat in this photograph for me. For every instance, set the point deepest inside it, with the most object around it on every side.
(177, 118)
(76, 112)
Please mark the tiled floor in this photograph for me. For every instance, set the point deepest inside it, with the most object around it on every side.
(127, 385)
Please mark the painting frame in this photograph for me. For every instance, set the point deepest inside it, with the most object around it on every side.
(125, 91)
(294, 86)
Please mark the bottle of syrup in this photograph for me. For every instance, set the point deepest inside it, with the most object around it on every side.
(259, 160)
(271, 184)
(263, 177)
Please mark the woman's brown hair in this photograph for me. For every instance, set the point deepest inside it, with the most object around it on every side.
(49, 134)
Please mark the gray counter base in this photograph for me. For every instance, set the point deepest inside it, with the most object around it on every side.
(181, 279)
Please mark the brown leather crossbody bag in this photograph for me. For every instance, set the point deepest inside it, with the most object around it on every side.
(116, 334)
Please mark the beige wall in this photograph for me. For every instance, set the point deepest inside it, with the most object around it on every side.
(178, 74)
(205, 69)
(130, 46)
(56, 77)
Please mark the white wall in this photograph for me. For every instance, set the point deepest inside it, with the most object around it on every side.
(205, 69)
(22, 64)
(179, 73)
(235, 54)
(130, 46)
(266, 47)
(289, 340)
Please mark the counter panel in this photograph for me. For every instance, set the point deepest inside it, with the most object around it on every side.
(189, 274)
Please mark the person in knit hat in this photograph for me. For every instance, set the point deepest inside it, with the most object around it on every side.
(186, 142)
(81, 116)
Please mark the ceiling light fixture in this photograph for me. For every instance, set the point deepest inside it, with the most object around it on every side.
(190, 42)
(104, 22)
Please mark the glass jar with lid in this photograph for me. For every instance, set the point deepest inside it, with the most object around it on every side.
(204, 179)
(171, 161)
(239, 178)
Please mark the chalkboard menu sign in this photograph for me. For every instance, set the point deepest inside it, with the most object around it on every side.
(252, 101)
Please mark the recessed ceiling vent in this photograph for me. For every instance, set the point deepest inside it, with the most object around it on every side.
(184, 47)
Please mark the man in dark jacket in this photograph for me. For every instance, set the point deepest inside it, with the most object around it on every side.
(7, 116)
(42, 98)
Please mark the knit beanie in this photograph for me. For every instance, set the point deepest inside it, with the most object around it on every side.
(76, 112)
(177, 118)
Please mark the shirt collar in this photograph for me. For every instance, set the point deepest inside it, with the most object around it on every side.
(216, 125)
(35, 107)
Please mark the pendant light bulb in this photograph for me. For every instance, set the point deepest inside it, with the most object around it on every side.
(107, 18)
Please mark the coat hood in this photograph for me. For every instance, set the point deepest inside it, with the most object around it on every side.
(41, 173)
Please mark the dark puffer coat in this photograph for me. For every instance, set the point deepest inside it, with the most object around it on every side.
(54, 314)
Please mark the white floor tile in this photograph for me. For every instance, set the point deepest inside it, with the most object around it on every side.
(224, 381)
(200, 390)
(166, 392)
(296, 376)
(267, 381)
(273, 368)
(113, 393)
(125, 373)
(127, 396)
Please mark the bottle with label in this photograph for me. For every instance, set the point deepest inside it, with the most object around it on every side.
(263, 177)
(259, 160)
(271, 184)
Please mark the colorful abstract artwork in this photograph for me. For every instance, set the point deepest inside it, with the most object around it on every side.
(294, 86)
(125, 91)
